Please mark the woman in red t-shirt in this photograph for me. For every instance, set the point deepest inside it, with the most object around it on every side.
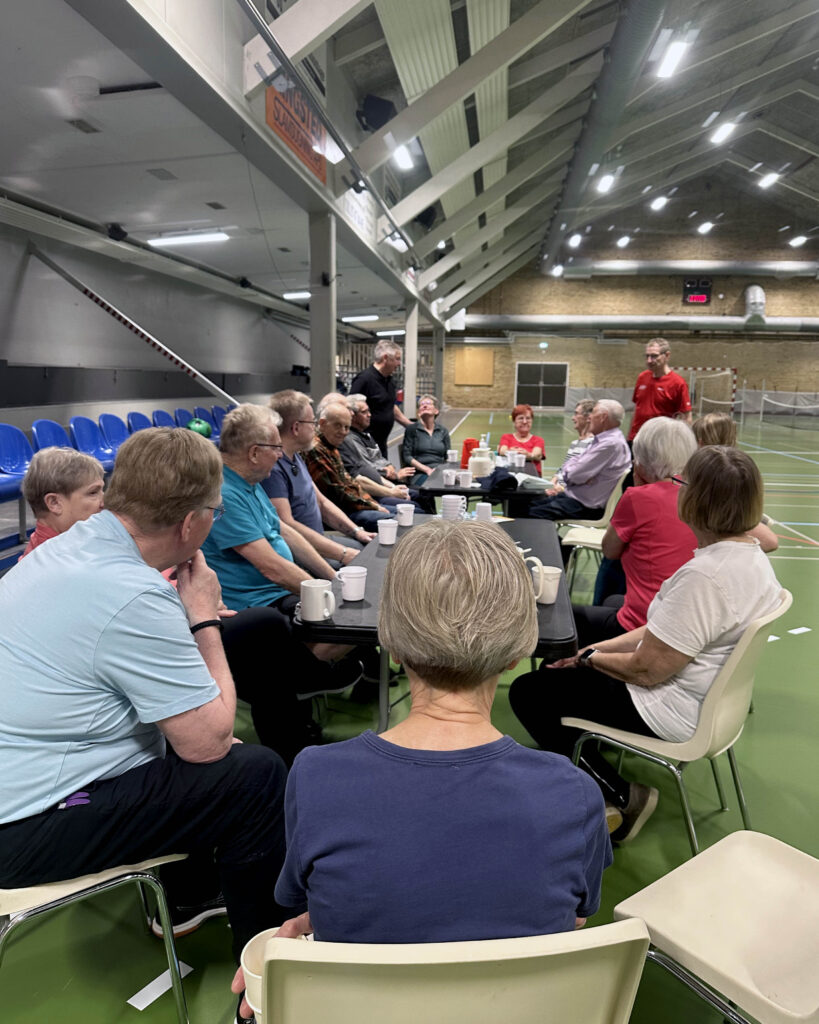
(523, 440)
(645, 532)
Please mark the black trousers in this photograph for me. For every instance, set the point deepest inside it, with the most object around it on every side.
(593, 622)
(228, 815)
(540, 699)
(561, 506)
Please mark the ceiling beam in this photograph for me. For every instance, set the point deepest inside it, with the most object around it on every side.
(785, 182)
(539, 22)
(466, 271)
(529, 244)
(734, 41)
(505, 272)
(544, 63)
(357, 42)
(500, 140)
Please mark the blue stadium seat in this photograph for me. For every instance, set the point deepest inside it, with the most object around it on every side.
(138, 421)
(207, 416)
(86, 437)
(113, 429)
(182, 417)
(15, 451)
(219, 413)
(163, 419)
(48, 434)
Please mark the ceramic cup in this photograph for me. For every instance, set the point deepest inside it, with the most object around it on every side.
(404, 514)
(464, 478)
(353, 582)
(453, 506)
(450, 476)
(545, 580)
(387, 531)
(451, 455)
(483, 511)
(317, 601)
(252, 961)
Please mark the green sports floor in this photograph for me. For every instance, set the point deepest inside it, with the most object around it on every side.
(83, 963)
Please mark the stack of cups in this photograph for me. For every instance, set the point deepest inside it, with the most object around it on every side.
(452, 455)
(453, 506)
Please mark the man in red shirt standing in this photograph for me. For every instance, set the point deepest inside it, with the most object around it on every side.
(659, 391)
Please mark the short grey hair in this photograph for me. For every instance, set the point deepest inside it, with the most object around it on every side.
(332, 398)
(58, 471)
(333, 410)
(613, 408)
(290, 405)
(353, 402)
(662, 447)
(432, 399)
(457, 604)
(385, 347)
(247, 425)
(661, 344)
(585, 406)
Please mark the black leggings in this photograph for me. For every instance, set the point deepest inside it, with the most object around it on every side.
(540, 699)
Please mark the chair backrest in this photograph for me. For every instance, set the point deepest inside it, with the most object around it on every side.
(87, 437)
(138, 421)
(113, 430)
(726, 704)
(15, 451)
(219, 414)
(590, 976)
(163, 419)
(182, 416)
(608, 511)
(207, 416)
(49, 434)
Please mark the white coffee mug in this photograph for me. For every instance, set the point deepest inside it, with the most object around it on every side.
(451, 455)
(545, 580)
(317, 601)
(465, 478)
(450, 476)
(483, 511)
(387, 531)
(453, 506)
(353, 582)
(404, 514)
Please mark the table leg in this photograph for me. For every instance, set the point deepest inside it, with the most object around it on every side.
(384, 691)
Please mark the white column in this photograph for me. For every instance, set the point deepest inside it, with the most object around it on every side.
(411, 360)
(438, 346)
(322, 304)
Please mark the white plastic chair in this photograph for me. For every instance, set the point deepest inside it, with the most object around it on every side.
(740, 919)
(608, 511)
(722, 718)
(19, 905)
(589, 976)
(588, 533)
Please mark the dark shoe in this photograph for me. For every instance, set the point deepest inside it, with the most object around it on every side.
(341, 675)
(239, 1018)
(642, 802)
(187, 919)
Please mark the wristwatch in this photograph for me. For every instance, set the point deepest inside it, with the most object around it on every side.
(585, 657)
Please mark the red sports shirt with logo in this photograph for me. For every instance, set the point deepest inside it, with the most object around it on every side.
(658, 396)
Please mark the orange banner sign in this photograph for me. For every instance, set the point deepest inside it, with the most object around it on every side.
(291, 116)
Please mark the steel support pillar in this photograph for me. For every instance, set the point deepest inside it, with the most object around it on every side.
(322, 229)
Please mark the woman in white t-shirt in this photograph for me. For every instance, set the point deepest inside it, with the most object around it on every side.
(669, 664)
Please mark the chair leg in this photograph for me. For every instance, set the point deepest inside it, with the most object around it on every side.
(692, 982)
(676, 771)
(743, 808)
(143, 899)
(170, 947)
(723, 806)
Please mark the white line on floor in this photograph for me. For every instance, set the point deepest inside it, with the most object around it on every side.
(465, 416)
(154, 989)
(795, 558)
(771, 638)
(773, 451)
(800, 629)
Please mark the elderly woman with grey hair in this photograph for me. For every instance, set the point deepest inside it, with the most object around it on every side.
(645, 532)
(442, 828)
(425, 442)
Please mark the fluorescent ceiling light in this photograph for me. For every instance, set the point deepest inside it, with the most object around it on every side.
(557, 270)
(623, 241)
(398, 243)
(705, 227)
(605, 183)
(767, 180)
(798, 241)
(295, 296)
(402, 158)
(722, 133)
(364, 318)
(575, 240)
(441, 245)
(390, 334)
(673, 56)
(658, 203)
(189, 238)
(711, 118)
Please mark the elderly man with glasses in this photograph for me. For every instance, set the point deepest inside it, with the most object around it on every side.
(299, 503)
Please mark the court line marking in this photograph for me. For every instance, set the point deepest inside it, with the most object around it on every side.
(154, 989)
(465, 416)
(800, 629)
(794, 558)
(771, 638)
(774, 451)
(794, 523)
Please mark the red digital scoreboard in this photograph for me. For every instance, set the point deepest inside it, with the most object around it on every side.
(696, 291)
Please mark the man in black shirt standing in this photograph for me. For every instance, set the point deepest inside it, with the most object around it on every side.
(377, 384)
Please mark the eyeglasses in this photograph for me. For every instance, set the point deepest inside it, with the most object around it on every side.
(217, 512)
(262, 444)
(654, 355)
(678, 480)
(311, 422)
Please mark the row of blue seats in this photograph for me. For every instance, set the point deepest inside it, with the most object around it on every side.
(101, 440)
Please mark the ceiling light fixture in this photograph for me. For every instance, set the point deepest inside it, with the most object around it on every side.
(673, 56)
(295, 296)
(722, 133)
(711, 118)
(768, 179)
(557, 270)
(605, 183)
(364, 318)
(189, 238)
(658, 203)
(623, 241)
(574, 241)
(441, 245)
(397, 242)
(403, 160)
(390, 334)
(798, 241)
(705, 227)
